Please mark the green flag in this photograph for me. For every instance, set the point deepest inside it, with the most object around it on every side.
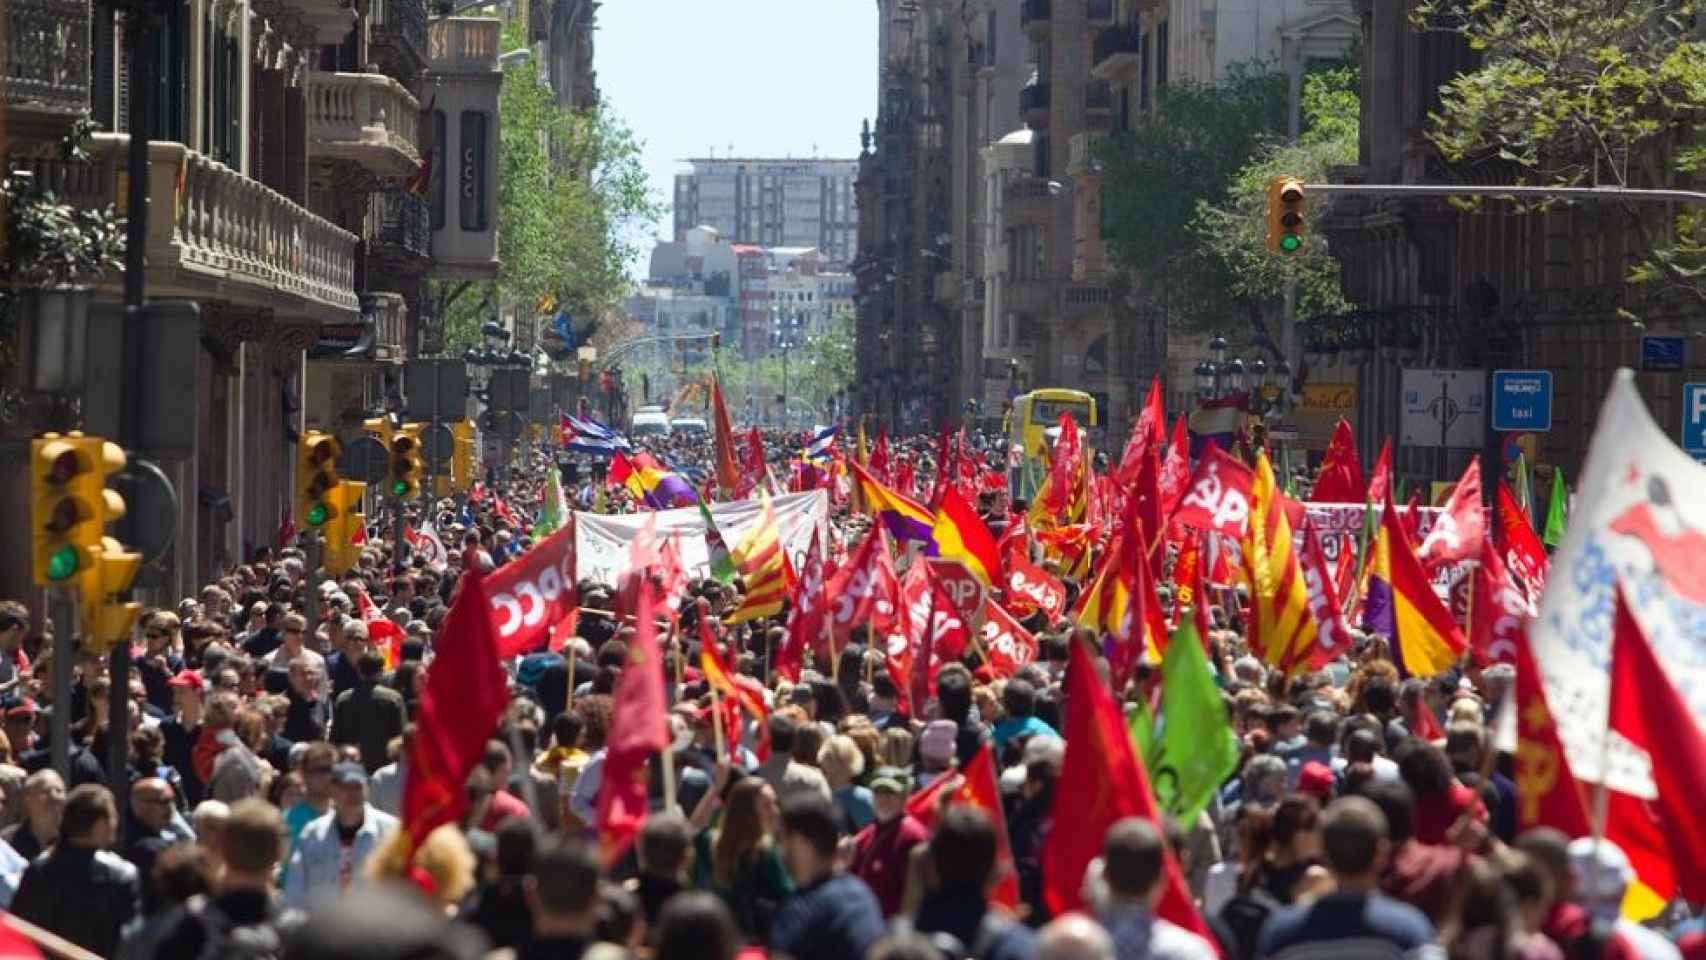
(1196, 749)
(553, 509)
(722, 564)
(1519, 488)
(1555, 510)
(1141, 725)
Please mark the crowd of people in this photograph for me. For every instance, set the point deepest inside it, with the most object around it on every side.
(1368, 815)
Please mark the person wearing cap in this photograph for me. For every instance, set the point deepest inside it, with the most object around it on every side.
(20, 726)
(882, 850)
(183, 730)
(331, 850)
(1600, 874)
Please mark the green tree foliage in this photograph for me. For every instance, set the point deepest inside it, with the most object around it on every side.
(1185, 152)
(1232, 230)
(1585, 92)
(572, 197)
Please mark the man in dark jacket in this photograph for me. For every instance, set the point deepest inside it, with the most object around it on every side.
(369, 715)
(79, 890)
(963, 853)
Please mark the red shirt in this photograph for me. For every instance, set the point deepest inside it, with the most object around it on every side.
(503, 806)
(880, 855)
(1436, 813)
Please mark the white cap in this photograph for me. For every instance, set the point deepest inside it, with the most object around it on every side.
(1601, 872)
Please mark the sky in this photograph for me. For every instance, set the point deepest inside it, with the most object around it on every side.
(774, 78)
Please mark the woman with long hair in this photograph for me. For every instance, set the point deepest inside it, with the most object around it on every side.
(740, 857)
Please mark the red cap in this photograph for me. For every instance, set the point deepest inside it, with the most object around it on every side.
(1317, 778)
(188, 678)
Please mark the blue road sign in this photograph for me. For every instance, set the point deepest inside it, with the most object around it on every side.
(1522, 400)
(1694, 419)
(1662, 353)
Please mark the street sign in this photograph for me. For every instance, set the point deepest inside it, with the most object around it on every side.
(1522, 401)
(365, 458)
(436, 389)
(1663, 354)
(1694, 420)
(1443, 408)
(966, 590)
(438, 444)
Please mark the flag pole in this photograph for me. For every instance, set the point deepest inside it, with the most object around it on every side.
(667, 757)
(717, 721)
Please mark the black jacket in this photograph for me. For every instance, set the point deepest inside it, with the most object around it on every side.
(369, 716)
(85, 896)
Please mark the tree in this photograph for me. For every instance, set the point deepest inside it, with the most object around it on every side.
(572, 198)
(1585, 92)
(1232, 229)
(1187, 151)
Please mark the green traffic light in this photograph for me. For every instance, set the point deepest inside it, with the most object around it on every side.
(317, 515)
(63, 564)
(399, 488)
(1291, 242)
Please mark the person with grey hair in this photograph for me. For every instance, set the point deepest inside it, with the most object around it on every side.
(1075, 937)
(1264, 779)
(1126, 889)
(1249, 671)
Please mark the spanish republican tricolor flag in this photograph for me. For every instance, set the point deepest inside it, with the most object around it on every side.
(760, 563)
(960, 535)
(1401, 606)
(905, 518)
(1280, 624)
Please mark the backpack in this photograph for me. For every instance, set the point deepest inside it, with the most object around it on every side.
(991, 932)
(225, 940)
(1245, 914)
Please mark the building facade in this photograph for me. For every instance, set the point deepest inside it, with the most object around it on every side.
(769, 202)
(286, 201)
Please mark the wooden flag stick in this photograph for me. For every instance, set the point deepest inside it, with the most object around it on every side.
(717, 722)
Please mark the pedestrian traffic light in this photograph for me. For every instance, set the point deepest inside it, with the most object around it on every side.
(1285, 215)
(404, 472)
(340, 553)
(317, 455)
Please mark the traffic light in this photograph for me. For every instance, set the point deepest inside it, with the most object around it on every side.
(1285, 215)
(61, 508)
(317, 455)
(107, 622)
(462, 456)
(403, 475)
(340, 554)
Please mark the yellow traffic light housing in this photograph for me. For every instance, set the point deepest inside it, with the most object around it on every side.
(107, 622)
(1285, 215)
(340, 554)
(317, 455)
(462, 456)
(404, 472)
(60, 506)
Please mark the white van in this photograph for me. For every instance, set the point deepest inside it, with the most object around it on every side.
(689, 427)
(649, 422)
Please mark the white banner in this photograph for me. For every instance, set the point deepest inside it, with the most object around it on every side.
(1638, 518)
(601, 541)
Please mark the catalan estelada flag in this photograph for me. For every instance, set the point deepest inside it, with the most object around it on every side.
(649, 481)
(960, 535)
(906, 518)
(1280, 623)
(1401, 606)
(760, 562)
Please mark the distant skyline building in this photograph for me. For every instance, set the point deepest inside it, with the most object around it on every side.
(806, 202)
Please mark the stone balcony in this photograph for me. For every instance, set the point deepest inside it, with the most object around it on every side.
(44, 65)
(390, 317)
(398, 35)
(1082, 153)
(364, 118)
(216, 235)
(1115, 55)
(1027, 200)
(399, 225)
(463, 45)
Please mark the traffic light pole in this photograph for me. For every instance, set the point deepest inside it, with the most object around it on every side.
(63, 612)
(311, 593)
(398, 544)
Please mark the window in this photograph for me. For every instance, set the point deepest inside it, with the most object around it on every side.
(471, 172)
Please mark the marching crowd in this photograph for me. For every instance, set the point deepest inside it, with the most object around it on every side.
(1366, 814)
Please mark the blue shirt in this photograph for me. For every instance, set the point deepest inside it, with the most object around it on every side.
(854, 802)
(836, 918)
(1015, 727)
(1368, 926)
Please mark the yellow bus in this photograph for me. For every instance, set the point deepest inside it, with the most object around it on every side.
(1034, 414)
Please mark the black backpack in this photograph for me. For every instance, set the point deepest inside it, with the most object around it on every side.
(1244, 916)
(226, 940)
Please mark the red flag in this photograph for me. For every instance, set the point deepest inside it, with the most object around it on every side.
(467, 690)
(1031, 588)
(359, 536)
(1147, 435)
(1412, 516)
(1547, 792)
(639, 727)
(1219, 495)
(1101, 783)
(1459, 531)
(806, 618)
(1332, 633)
(1176, 469)
(977, 786)
(1499, 612)
(866, 590)
(1525, 557)
(728, 470)
(1340, 479)
(1381, 483)
(384, 634)
(944, 469)
(1648, 712)
(530, 593)
(1006, 645)
(879, 465)
(1145, 507)
(1064, 470)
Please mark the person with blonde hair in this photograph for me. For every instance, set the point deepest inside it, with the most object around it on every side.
(442, 867)
(842, 763)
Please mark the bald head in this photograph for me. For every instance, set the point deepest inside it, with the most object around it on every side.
(1074, 937)
(151, 802)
